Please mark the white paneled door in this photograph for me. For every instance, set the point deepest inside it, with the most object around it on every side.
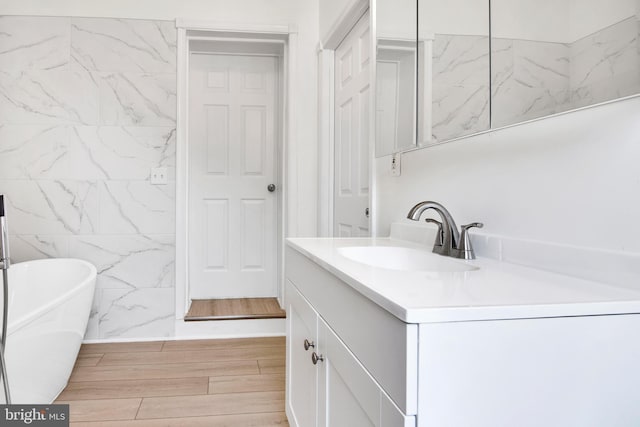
(352, 115)
(232, 212)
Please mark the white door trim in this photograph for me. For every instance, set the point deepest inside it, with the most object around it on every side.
(286, 158)
(326, 135)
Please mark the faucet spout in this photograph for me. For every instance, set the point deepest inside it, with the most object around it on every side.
(450, 235)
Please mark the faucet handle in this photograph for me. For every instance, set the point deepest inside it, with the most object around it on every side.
(464, 228)
(440, 236)
(465, 251)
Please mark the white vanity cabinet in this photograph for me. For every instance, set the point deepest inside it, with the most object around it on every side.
(340, 389)
(457, 363)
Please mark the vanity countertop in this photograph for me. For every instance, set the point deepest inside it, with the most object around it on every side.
(497, 290)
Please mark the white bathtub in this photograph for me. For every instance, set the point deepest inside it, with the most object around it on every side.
(49, 305)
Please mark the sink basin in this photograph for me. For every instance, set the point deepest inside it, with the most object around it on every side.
(400, 258)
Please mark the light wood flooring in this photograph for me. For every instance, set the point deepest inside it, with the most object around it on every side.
(235, 308)
(203, 383)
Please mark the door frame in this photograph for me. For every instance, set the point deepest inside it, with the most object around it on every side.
(326, 111)
(285, 154)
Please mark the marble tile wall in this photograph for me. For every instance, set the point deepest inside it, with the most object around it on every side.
(87, 108)
(460, 70)
(606, 65)
(532, 79)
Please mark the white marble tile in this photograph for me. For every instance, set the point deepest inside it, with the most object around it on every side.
(30, 247)
(530, 80)
(58, 96)
(30, 42)
(605, 55)
(542, 65)
(92, 332)
(138, 99)
(124, 45)
(51, 207)
(139, 313)
(111, 152)
(128, 262)
(136, 207)
(33, 152)
(460, 59)
(459, 110)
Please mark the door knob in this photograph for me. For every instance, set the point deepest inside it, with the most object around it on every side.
(308, 344)
(271, 188)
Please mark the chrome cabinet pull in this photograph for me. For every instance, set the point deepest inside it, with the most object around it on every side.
(308, 344)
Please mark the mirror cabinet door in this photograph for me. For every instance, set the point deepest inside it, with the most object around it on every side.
(552, 56)
(453, 69)
(396, 62)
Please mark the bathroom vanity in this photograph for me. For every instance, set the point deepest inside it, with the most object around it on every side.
(381, 332)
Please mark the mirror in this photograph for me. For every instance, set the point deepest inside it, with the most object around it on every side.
(474, 72)
(396, 62)
(556, 55)
(454, 73)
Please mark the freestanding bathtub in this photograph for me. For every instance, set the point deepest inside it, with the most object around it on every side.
(49, 305)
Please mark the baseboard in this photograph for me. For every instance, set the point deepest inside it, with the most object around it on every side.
(212, 330)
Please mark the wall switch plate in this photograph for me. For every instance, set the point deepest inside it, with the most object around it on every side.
(395, 164)
(158, 176)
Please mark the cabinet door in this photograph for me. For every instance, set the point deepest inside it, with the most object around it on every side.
(347, 395)
(302, 379)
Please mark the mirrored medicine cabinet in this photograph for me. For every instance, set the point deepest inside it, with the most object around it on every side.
(446, 70)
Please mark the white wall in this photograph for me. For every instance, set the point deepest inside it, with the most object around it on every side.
(461, 17)
(571, 179)
(589, 16)
(559, 21)
(304, 13)
(330, 12)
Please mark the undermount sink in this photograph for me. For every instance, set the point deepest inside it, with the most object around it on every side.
(401, 258)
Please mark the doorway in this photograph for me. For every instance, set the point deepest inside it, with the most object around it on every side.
(234, 200)
(352, 129)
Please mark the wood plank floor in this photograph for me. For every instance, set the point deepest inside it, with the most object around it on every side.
(235, 308)
(199, 383)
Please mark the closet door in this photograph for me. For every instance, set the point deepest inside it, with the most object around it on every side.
(352, 115)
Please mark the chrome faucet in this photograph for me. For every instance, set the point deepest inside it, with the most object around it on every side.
(449, 241)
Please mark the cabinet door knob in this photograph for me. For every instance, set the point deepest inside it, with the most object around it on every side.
(308, 344)
(315, 358)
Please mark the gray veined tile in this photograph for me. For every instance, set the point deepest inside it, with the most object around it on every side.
(124, 45)
(136, 207)
(599, 55)
(460, 60)
(94, 315)
(459, 110)
(30, 247)
(138, 99)
(541, 64)
(34, 43)
(59, 96)
(146, 312)
(530, 80)
(114, 152)
(128, 262)
(51, 207)
(33, 152)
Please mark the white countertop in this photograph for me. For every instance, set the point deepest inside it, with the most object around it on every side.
(497, 290)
